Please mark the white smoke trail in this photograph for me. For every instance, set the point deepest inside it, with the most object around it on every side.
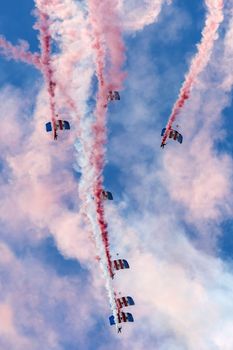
(69, 28)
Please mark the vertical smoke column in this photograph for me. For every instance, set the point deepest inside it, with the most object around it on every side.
(108, 45)
(212, 23)
(109, 56)
(45, 42)
(68, 61)
(103, 21)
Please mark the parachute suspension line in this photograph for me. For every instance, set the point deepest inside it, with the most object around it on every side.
(200, 60)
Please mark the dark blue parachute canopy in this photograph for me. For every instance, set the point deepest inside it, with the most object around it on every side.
(163, 131)
(60, 124)
(48, 126)
(121, 317)
(126, 264)
(111, 320)
(107, 195)
(173, 134)
(120, 264)
(66, 125)
(124, 301)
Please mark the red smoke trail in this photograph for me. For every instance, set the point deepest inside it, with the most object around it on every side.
(98, 160)
(98, 153)
(115, 45)
(108, 41)
(212, 23)
(109, 50)
(43, 61)
(45, 42)
(19, 52)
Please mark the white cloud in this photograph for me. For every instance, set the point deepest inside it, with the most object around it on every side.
(136, 14)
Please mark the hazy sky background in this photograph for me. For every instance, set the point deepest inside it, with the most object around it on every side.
(171, 217)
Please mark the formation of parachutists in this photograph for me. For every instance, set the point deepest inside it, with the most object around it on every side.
(57, 125)
(213, 20)
(118, 264)
(112, 96)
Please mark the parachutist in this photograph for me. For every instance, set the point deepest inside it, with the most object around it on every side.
(124, 301)
(122, 317)
(172, 134)
(106, 195)
(113, 96)
(57, 125)
(119, 329)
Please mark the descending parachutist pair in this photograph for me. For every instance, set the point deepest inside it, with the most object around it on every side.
(121, 302)
(119, 264)
(59, 124)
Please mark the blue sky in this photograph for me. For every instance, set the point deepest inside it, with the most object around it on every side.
(172, 211)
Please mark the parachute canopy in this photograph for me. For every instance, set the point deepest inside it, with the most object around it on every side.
(58, 125)
(121, 317)
(173, 134)
(113, 96)
(120, 264)
(107, 195)
(124, 301)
